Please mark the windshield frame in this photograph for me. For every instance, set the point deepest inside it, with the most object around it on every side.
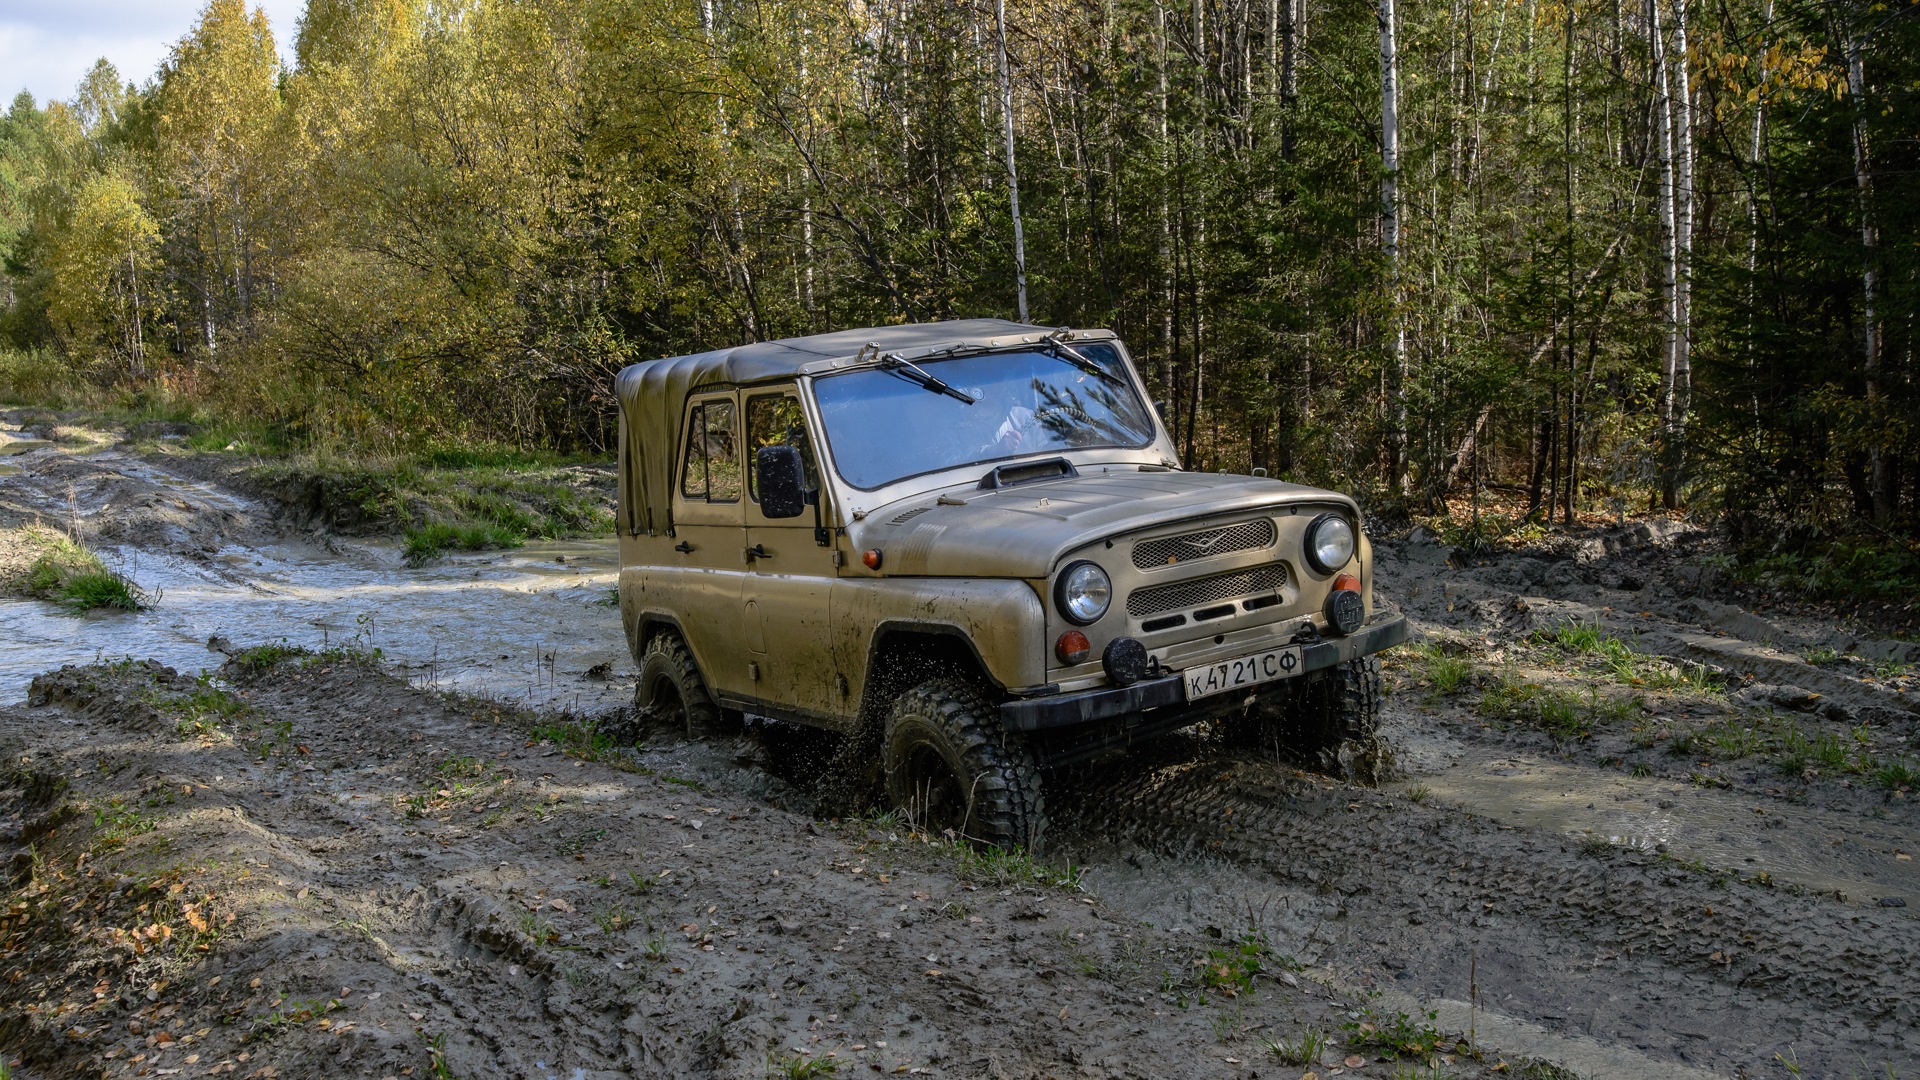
(1127, 376)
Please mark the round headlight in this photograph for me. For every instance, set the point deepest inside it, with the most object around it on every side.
(1329, 543)
(1083, 593)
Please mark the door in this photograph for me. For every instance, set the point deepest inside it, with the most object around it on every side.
(785, 595)
(709, 532)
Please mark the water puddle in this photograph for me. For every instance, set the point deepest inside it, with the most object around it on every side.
(15, 442)
(1817, 849)
(525, 625)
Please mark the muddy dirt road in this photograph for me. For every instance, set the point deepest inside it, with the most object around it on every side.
(1638, 831)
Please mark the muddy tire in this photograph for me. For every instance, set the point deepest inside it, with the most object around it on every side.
(670, 696)
(1328, 721)
(952, 768)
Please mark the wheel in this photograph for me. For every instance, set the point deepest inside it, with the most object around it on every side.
(1328, 720)
(670, 694)
(953, 768)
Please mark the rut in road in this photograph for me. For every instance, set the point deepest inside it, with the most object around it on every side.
(1637, 946)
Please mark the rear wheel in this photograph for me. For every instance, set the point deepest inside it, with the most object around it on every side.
(954, 769)
(670, 695)
(1328, 720)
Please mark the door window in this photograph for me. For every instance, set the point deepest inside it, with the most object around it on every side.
(712, 468)
(778, 420)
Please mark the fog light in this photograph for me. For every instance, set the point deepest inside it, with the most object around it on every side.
(871, 558)
(1073, 647)
(1345, 611)
(1125, 660)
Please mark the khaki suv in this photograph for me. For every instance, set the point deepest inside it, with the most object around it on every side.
(969, 547)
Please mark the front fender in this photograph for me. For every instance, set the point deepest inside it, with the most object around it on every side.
(1002, 620)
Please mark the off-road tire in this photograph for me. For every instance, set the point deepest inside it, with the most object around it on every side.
(1328, 720)
(951, 766)
(670, 695)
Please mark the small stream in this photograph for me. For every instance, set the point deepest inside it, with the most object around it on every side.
(524, 625)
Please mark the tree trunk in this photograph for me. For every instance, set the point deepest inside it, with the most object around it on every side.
(1878, 475)
(1669, 262)
(1683, 250)
(1390, 244)
(1013, 173)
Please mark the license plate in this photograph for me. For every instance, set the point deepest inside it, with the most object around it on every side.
(1241, 672)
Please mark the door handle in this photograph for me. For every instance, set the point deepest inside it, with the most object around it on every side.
(683, 548)
(758, 551)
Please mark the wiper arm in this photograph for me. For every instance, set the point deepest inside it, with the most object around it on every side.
(913, 373)
(1067, 353)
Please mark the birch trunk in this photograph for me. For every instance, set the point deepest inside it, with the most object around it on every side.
(1683, 247)
(1869, 274)
(1669, 254)
(1013, 174)
(1390, 244)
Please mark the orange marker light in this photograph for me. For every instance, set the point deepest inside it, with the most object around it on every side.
(1073, 647)
(871, 557)
(1346, 583)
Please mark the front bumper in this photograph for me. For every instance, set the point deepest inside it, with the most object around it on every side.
(1384, 630)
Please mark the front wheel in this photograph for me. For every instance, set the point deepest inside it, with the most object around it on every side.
(1328, 720)
(671, 695)
(954, 769)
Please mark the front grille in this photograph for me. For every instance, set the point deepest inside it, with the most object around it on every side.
(1166, 550)
(1181, 595)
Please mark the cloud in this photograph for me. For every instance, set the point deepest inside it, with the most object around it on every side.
(46, 47)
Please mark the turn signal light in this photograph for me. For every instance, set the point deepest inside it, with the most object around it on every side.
(1346, 583)
(1073, 647)
(871, 558)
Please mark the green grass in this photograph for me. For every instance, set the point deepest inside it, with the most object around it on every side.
(429, 542)
(1304, 1049)
(1557, 711)
(67, 574)
(798, 1066)
(1625, 663)
(1002, 868)
(1445, 673)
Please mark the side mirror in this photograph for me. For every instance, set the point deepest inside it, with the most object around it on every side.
(781, 479)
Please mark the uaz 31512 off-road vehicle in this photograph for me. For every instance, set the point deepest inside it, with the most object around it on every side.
(969, 546)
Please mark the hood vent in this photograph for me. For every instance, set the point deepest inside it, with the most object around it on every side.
(902, 519)
(1205, 544)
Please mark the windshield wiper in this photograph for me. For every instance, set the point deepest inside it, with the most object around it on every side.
(912, 373)
(1068, 354)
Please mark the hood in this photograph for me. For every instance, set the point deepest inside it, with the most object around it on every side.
(1024, 531)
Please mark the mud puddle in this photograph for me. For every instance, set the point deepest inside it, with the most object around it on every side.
(1732, 832)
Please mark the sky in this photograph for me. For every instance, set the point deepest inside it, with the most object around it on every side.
(47, 45)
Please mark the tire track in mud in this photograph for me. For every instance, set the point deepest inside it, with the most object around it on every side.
(1737, 973)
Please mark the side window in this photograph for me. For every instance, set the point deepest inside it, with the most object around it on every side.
(778, 420)
(712, 467)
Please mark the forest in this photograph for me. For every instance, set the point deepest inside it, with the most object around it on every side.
(1508, 261)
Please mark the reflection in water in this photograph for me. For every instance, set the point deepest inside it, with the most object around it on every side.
(1806, 846)
(523, 625)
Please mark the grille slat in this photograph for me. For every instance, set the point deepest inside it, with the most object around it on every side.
(1180, 595)
(1205, 544)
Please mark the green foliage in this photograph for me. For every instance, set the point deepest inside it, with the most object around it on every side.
(440, 229)
(1231, 969)
(1392, 1034)
(1516, 701)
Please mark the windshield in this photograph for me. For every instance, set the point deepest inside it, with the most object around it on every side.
(885, 424)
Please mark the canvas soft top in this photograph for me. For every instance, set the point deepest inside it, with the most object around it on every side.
(651, 393)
